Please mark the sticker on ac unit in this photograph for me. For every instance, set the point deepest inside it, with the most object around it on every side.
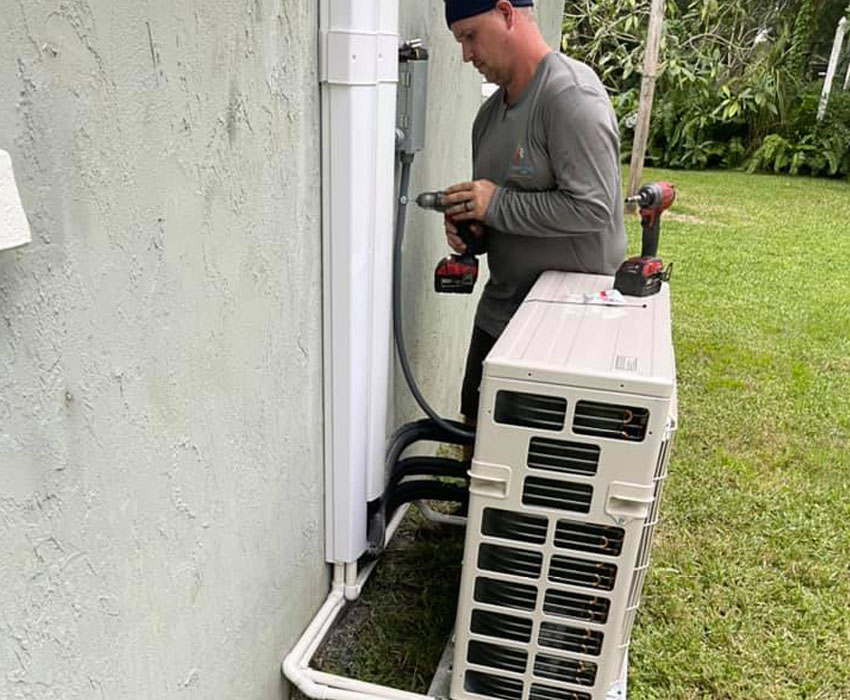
(624, 363)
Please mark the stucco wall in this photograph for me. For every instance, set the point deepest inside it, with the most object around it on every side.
(438, 326)
(160, 348)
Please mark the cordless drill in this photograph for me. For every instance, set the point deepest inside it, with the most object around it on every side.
(455, 274)
(642, 276)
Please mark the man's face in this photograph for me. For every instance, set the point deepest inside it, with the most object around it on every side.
(483, 41)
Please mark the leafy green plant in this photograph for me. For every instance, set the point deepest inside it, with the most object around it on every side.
(807, 146)
(731, 88)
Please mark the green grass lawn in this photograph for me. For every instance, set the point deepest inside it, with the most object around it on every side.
(748, 596)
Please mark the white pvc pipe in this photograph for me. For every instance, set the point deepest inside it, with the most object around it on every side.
(352, 591)
(436, 517)
(294, 661)
(369, 689)
(327, 686)
(833, 64)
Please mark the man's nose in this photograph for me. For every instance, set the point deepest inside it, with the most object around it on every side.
(467, 54)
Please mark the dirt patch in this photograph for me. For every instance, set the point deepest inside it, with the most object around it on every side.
(683, 218)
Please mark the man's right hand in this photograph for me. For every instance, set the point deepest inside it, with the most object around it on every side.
(454, 240)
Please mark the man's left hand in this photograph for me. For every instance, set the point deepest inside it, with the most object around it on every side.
(469, 200)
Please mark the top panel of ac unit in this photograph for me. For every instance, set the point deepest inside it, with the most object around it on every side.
(559, 335)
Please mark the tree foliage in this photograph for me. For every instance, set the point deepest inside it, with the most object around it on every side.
(735, 85)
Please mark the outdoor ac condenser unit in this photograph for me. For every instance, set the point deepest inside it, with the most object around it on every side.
(578, 409)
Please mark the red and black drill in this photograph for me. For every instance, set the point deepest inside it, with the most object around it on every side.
(455, 274)
(642, 276)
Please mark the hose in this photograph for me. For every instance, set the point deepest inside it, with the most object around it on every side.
(427, 466)
(425, 490)
(452, 428)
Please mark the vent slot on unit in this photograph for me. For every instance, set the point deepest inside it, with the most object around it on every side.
(576, 639)
(587, 537)
(545, 692)
(580, 572)
(566, 670)
(492, 686)
(610, 421)
(530, 410)
(510, 525)
(505, 594)
(562, 456)
(508, 560)
(490, 624)
(498, 657)
(576, 606)
(561, 495)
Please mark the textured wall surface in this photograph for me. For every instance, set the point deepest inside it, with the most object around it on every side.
(160, 348)
(438, 326)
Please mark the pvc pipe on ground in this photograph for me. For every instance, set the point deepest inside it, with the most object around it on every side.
(347, 585)
(293, 664)
(370, 689)
(436, 517)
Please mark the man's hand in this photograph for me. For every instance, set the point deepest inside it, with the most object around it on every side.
(456, 242)
(468, 200)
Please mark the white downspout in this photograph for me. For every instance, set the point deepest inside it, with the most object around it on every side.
(382, 275)
(358, 55)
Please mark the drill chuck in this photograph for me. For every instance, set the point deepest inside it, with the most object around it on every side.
(431, 200)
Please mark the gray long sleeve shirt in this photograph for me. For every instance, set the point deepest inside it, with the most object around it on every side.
(555, 158)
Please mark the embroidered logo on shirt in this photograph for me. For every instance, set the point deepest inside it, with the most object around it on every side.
(520, 162)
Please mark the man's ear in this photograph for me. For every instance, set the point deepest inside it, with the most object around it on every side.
(506, 11)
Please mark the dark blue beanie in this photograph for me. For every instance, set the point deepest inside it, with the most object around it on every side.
(461, 9)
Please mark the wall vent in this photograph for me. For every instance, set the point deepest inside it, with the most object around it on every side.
(587, 537)
(563, 456)
(560, 495)
(490, 624)
(576, 606)
(584, 573)
(511, 525)
(496, 656)
(576, 639)
(565, 670)
(508, 560)
(530, 410)
(610, 421)
(505, 594)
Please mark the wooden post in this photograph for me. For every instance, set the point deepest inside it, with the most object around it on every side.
(647, 91)
(833, 64)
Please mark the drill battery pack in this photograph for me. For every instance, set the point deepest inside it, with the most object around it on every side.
(456, 274)
(641, 277)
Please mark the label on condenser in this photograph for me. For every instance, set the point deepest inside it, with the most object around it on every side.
(624, 363)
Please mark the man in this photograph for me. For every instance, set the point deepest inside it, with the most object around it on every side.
(546, 159)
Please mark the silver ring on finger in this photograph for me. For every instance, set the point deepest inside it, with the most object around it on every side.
(466, 206)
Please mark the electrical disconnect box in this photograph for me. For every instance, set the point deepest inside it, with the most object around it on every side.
(578, 410)
(411, 97)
